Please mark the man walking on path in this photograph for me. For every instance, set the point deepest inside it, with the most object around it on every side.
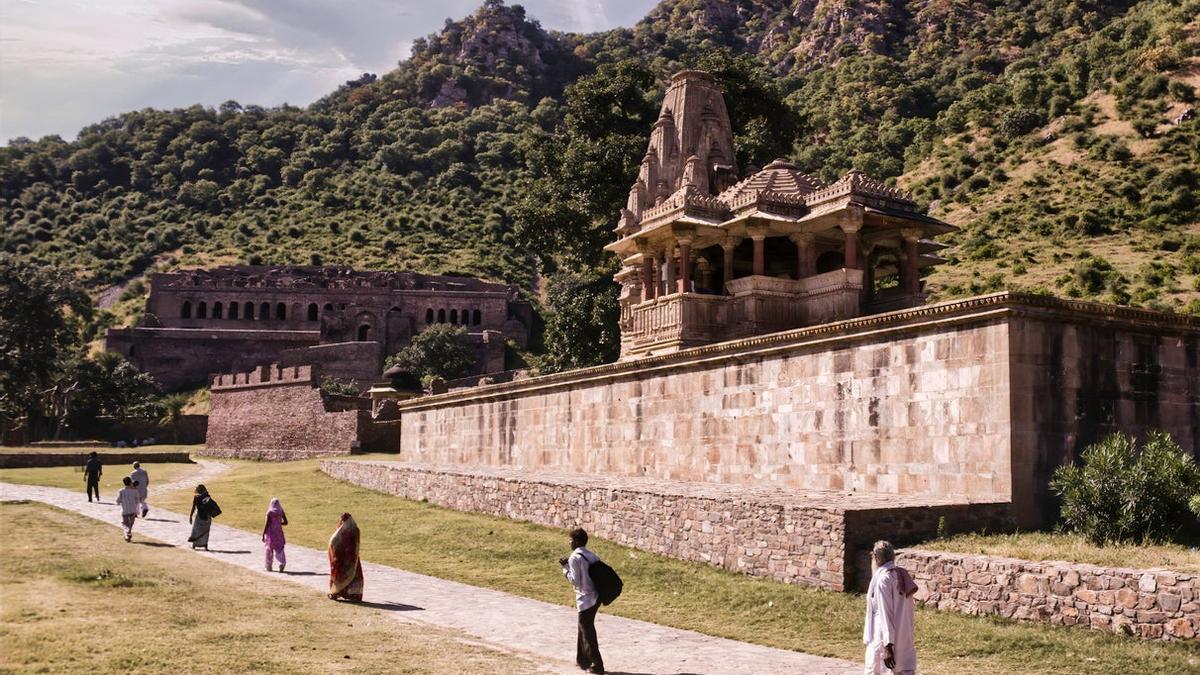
(141, 480)
(888, 629)
(128, 500)
(91, 474)
(587, 601)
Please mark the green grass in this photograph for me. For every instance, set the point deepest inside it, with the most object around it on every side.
(1073, 548)
(71, 477)
(75, 598)
(520, 558)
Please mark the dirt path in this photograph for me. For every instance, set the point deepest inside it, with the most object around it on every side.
(517, 624)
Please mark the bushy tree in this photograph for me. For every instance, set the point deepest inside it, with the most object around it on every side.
(442, 350)
(105, 386)
(581, 322)
(43, 318)
(1122, 493)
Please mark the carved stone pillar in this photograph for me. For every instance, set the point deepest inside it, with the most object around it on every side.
(727, 248)
(685, 265)
(670, 282)
(806, 254)
(850, 226)
(647, 270)
(656, 282)
(910, 275)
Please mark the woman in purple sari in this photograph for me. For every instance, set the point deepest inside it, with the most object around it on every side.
(273, 540)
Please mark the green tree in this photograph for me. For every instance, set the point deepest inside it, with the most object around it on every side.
(106, 386)
(43, 320)
(1122, 493)
(442, 350)
(581, 322)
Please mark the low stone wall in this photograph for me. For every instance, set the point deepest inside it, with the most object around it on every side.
(782, 535)
(26, 460)
(1150, 604)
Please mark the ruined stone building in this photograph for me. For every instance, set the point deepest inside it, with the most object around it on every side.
(708, 256)
(342, 322)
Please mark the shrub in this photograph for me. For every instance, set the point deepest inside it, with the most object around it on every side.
(337, 387)
(1121, 493)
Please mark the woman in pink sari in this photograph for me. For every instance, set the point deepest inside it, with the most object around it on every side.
(273, 540)
(345, 569)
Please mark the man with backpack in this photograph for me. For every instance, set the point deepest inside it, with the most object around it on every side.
(578, 570)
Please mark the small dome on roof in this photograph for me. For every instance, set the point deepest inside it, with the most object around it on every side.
(780, 176)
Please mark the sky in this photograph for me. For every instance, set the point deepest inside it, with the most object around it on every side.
(65, 64)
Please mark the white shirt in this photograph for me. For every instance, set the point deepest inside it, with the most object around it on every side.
(143, 480)
(889, 620)
(128, 499)
(576, 572)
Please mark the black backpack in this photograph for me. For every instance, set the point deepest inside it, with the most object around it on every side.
(211, 510)
(604, 578)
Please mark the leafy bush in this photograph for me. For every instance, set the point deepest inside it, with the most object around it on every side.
(1121, 493)
(442, 350)
(337, 387)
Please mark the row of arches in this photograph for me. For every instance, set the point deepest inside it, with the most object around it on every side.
(233, 310)
(466, 318)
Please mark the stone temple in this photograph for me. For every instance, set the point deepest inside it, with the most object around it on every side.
(340, 321)
(784, 397)
(707, 257)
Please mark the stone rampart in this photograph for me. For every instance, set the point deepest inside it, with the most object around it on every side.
(1150, 604)
(981, 397)
(778, 534)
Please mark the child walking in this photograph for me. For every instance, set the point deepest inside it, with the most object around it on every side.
(272, 537)
(129, 500)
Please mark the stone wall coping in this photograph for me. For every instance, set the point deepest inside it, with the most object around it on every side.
(275, 376)
(982, 308)
(831, 501)
(1042, 566)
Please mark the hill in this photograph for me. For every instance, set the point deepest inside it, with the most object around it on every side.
(1044, 129)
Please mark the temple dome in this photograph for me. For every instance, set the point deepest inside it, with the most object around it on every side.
(780, 177)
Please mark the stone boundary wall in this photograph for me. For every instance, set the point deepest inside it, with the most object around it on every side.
(1150, 604)
(763, 532)
(27, 460)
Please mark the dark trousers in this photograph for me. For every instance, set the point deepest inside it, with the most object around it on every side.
(93, 486)
(587, 649)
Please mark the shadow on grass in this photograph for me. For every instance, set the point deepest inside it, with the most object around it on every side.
(391, 606)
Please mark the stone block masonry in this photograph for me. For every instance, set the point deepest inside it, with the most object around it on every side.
(982, 397)
(276, 413)
(1150, 604)
(808, 539)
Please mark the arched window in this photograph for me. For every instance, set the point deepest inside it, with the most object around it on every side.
(233, 310)
(454, 316)
(441, 316)
(364, 333)
(476, 317)
(466, 317)
(281, 311)
(329, 307)
(312, 312)
(186, 312)
(264, 311)
(202, 310)
(217, 311)
(428, 315)
(132, 352)
(249, 313)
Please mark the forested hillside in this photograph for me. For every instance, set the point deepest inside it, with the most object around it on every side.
(1042, 128)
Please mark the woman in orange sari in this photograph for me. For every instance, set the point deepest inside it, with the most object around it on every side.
(345, 569)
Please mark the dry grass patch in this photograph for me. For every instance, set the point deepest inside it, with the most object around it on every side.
(75, 598)
(519, 558)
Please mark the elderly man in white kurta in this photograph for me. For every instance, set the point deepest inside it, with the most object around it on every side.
(888, 630)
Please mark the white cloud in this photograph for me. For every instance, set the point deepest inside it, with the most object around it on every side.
(68, 63)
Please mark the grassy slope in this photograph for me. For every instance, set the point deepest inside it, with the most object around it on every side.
(74, 598)
(520, 558)
(1055, 546)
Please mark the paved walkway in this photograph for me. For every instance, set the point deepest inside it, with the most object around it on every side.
(537, 629)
